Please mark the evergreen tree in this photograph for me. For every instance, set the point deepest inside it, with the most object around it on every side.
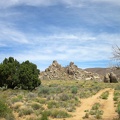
(9, 72)
(13, 74)
(29, 75)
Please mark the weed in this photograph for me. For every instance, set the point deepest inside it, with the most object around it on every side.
(104, 95)
(96, 106)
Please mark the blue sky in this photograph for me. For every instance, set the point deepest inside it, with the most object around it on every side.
(41, 31)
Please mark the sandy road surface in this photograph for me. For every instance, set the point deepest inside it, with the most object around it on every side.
(106, 105)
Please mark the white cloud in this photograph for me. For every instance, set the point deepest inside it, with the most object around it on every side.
(85, 47)
(71, 3)
(115, 2)
(77, 47)
(8, 34)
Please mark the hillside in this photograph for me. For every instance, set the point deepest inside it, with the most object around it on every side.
(100, 71)
(103, 71)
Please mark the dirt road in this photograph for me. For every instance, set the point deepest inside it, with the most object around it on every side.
(106, 105)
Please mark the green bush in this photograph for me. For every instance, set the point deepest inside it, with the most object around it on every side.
(74, 90)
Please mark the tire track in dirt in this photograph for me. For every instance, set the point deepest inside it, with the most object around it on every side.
(108, 107)
(86, 104)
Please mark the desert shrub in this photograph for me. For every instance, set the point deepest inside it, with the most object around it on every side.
(25, 111)
(64, 97)
(70, 108)
(115, 98)
(40, 100)
(117, 87)
(47, 112)
(98, 115)
(85, 94)
(43, 90)
(55, 113)
(44, 116)
(96, 106)
(36, 106)
(86, 116)
(59, 114)
(53, 104)
(92, 112)
(31, 95)
(17, 105)
(5, 111)
(74, 90)
(15, 99)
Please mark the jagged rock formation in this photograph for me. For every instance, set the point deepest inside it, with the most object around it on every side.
(56, 72)
(110, 78)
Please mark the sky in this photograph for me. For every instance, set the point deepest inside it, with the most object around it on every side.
(82, 31)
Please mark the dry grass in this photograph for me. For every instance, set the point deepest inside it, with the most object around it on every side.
(53, 94)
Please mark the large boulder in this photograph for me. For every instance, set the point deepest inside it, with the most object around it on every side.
(110, 78)
(107, 78)
(113, 78)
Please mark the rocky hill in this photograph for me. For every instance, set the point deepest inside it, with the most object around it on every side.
(56, 72)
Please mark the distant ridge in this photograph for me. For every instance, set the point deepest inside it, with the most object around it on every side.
(103, 71)
(100, 71)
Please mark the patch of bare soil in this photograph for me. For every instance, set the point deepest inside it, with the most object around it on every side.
(86, 104)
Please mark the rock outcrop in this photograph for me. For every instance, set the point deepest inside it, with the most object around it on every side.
(107, 78)
(56, 72)
(110, 78)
